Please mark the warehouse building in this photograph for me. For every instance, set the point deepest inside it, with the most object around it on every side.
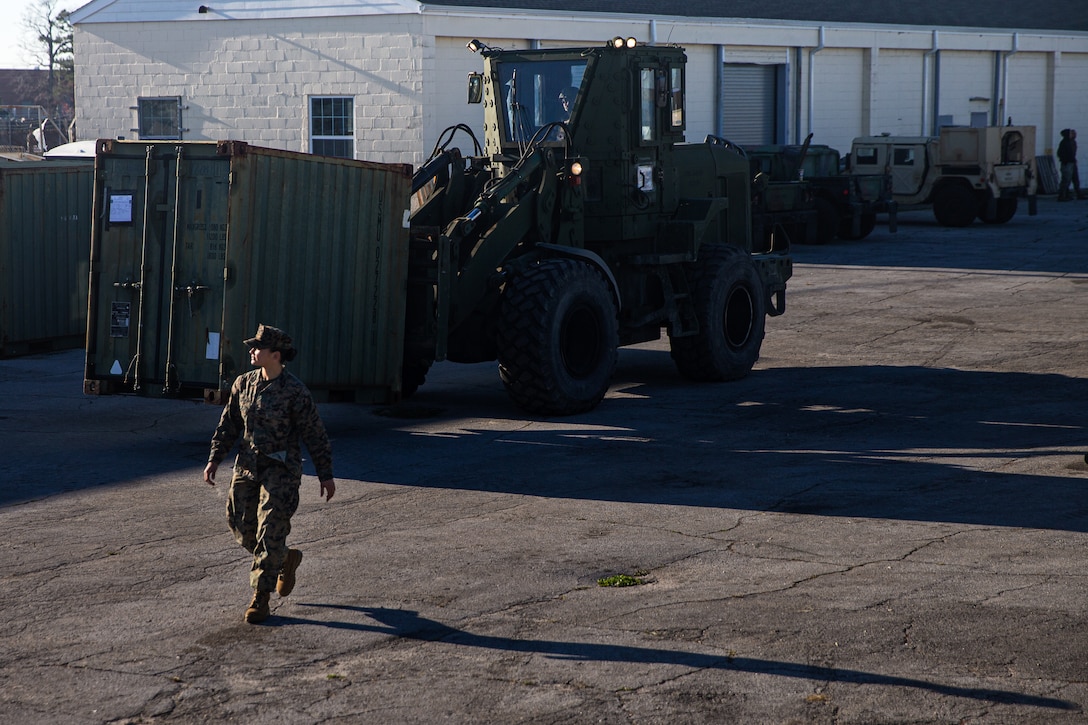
(381, 79)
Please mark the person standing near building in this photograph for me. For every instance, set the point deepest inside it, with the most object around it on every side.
(269, 411)
(1067, 160)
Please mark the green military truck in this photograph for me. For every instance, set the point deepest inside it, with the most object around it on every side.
(584, 227)
(843, 204)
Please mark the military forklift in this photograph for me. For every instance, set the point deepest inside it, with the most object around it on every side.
(582, 223)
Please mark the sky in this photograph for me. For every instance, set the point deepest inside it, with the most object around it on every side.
(13, 34)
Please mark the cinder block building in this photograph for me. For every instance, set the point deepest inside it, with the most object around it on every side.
(381, 79)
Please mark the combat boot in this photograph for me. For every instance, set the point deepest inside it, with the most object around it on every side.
(285, 584)
(258, 609)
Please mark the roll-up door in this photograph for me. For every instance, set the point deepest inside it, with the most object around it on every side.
(749, 103)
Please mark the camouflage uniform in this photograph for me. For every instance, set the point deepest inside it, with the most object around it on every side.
(270, 417)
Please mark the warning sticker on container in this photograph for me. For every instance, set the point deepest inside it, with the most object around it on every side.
(120, 313)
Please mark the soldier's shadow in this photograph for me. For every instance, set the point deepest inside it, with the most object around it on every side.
(407, 624)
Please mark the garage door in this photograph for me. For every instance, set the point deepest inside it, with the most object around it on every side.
(749, 103)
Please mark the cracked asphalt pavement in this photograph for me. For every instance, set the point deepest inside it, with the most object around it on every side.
(886, 522)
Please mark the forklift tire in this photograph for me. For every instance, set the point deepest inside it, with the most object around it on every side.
(412, 376)
(955, 206)
(558, 336)
(731, 307)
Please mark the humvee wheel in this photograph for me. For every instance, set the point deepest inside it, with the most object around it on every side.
(954, 206)
(557, 337)
(731, 307)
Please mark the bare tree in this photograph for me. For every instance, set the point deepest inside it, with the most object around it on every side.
(49, 43)
(48, 38)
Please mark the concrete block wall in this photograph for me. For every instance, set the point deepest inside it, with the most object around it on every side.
(446, 90)
(252, 81)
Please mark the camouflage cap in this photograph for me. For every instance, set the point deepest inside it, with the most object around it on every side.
(272, 338)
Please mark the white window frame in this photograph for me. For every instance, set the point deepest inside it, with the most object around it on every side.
(326, 133)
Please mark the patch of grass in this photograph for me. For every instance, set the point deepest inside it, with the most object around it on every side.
(622, 580)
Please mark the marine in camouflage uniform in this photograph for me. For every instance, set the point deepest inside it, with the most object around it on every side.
(270, 411)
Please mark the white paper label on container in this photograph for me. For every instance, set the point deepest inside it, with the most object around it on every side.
(212, 353)
(121, 208)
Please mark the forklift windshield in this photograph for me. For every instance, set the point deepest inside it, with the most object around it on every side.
(533, 94)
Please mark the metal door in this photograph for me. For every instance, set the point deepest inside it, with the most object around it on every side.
(157, 266)
(750, 112)
(908, 165)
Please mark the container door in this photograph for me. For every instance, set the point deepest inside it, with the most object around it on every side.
(190, 342)
(157, 267)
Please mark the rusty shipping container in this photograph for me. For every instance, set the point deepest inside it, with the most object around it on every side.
(195, 243)
(45, 241)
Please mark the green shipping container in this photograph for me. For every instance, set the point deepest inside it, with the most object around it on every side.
(45, 241)
(196, 243)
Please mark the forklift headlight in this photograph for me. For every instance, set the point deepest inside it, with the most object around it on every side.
(631, 42)
(576, 168)
(617, 42)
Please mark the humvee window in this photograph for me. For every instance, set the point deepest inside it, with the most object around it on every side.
(1012, 148)
(903, 157)
(865, 155)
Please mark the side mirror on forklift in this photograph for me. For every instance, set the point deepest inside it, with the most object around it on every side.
(475, 87)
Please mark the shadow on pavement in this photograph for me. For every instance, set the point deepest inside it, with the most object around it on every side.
(407, 624)
(945, 445)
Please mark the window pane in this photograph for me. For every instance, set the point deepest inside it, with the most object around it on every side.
(333, 147)
(533, 94)
(332, 126)
(159, 118)
(865, 155)
(676, 93)
(649, 108)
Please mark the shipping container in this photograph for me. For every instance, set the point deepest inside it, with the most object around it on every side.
(45, 240)
(196, 243)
